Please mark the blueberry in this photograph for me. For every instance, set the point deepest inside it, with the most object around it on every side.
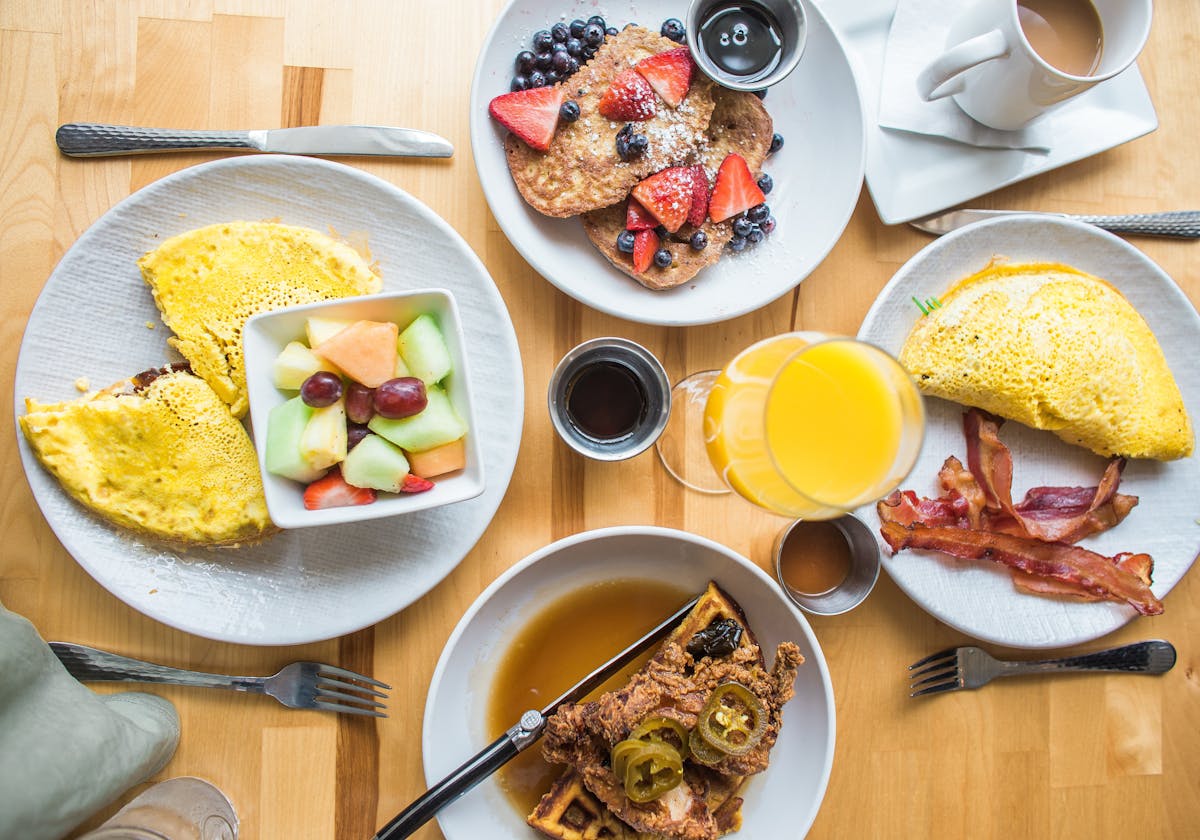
(552, 78)
(569, 111)
(742, 226)
(631, 23)
(542, 39)
(662, 232)
(520, 82)
(572, 66)
(525, 61)
(537, 79)
(625, 242)
(761, 94)
(560, 31)
(738, 243)
(638, 144)
(699, 241)
(559, 62)
(588, 52)
(593, 35)
(765, 184)
(768, 225)
(630, 145)
(559, 47)
(543, 60)
(673, 28)
(574, 47)
(576, 28)
(612, 30)
(758, 213)
(776, 143)
(662, 258)
(755, 236)
(599, 21)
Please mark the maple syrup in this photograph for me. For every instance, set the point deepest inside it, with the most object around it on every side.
(605, 401)
(568, 638)
(743, 40)
(814, 558)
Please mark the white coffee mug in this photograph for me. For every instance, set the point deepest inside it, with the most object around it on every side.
(998, 79)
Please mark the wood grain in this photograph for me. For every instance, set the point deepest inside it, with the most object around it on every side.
(1083, 757)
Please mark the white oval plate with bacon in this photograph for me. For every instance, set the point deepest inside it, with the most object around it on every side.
(979, 596)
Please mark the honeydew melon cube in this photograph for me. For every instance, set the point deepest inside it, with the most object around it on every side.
(438, 424)
(401, 368)
(375, 463)
(324, 440)
(294, 364)
(424, 350)
(320, 329)
(285, 426)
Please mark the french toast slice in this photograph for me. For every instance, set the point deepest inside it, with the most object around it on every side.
(740, 124)
(589, 801)
(581, 170)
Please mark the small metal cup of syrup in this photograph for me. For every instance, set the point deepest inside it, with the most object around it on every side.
(827, 567)
(609, 399)
(746, 44)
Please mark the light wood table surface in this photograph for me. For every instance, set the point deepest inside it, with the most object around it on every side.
(1090, 756)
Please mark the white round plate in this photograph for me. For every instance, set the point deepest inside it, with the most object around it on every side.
(818, 175)
(94, 318)
(977, 597)
(781, 802)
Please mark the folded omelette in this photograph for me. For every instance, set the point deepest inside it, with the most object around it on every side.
(208, 282)
(160, 453)
(1054, 348)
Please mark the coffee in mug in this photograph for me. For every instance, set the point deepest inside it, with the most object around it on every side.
(1067, 34)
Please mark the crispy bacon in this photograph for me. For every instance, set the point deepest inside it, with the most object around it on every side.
(1139, 565)
(1094, 573)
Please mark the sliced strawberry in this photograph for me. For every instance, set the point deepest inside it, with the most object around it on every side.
(333, 491)
(530, 114)
(700, 194)
(735, 190)
(667, 195)
(669, 73)
(637, 217)
(645, 243)
(628, 98)
(415, 484)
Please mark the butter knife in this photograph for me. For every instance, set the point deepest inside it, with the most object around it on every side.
(1181, 224)
(98, 140)
(523, 734)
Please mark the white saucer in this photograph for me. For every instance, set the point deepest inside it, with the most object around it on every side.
(913, 175)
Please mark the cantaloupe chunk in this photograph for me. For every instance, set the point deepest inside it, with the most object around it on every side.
(440, 460)
(365, 351)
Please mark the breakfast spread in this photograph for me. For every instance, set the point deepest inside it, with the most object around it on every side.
(160, 454)
(663, 166)
(208, 282)
(666, 754)
(976, 518)
(371, 413)
(1054, 348)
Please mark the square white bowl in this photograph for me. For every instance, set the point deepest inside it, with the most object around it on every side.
(266, 334)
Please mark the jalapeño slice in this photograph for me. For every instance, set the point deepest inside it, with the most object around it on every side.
(651, 772)
(662, 730)
(733, 720)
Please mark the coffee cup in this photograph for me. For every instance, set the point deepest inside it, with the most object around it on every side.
(1007, 61)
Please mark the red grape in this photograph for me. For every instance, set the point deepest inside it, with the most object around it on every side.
(360, 403)
(400, 397)
(355, 432)
(321, 389)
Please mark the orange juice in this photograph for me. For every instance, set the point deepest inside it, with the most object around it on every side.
(810, 426)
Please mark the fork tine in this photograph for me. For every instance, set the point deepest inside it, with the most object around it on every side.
(330, 670)
(949, 673)
(941, 654)
(349, 710)
(937, 689)
(944, 665)
(365, 702)
(326, 681)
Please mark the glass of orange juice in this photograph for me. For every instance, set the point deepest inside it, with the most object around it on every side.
(805, 424)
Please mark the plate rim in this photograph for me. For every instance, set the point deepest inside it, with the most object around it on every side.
(479, 140)
(431, 774)
(270, 161)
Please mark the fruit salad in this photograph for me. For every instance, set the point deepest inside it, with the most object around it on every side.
(370, 412)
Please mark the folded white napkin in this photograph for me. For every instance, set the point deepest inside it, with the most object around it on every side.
(917, 37)
(66, 752)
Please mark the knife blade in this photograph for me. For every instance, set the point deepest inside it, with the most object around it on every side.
(99, 140)
(1181, 224)
(521, 735)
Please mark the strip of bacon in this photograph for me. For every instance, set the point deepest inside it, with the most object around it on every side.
(1139, 565)
(1092, 572)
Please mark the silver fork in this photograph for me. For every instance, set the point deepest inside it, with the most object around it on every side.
(301, 685)
(972, 667)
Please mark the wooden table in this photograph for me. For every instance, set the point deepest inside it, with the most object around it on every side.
(1088, 757)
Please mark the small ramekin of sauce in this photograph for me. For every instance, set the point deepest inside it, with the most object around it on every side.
(609, 399)
(827, 567)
